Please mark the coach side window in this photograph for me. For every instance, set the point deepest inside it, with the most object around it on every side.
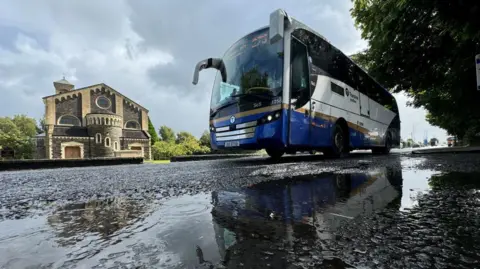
(361, 81)
(299, 73)
(394, 104)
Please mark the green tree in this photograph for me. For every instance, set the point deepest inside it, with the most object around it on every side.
(42, 126)
(185, 144)
(26, 125)
(183, 137)
(167, 134)
(410, 142)
(18, 133)
(205, 139)
(361, 59)
(152, 132)
(425, 48)
(163, 150)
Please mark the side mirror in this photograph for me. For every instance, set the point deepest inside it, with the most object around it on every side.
(278, 20)
(210, 63)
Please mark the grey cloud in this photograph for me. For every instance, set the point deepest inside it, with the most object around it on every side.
(196, 30)
(192, 32)
(188, 30)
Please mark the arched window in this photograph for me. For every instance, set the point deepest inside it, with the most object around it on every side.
(98, 138)
(131, 124)
(107, 141)
(69, 120)
(115, 145)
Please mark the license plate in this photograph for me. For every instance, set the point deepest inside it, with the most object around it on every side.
(230, 144)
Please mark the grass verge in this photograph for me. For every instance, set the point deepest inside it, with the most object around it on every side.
(157, 161)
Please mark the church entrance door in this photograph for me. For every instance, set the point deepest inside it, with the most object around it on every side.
(72, 152)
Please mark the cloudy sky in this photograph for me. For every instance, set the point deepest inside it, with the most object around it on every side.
(147, 50)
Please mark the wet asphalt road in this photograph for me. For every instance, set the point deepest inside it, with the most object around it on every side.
(365, 211)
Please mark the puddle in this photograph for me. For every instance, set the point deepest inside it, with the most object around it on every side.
(329, 220)
(415, 184)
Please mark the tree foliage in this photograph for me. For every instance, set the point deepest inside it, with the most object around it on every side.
(18, 133)
(185, 137)
(167, 134)
(26, 125)
(425, 48)
(205, 139)
(184, 144)
(410, 143)
(42, 125)
(152, 132)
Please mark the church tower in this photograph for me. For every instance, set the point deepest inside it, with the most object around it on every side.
(63, 86)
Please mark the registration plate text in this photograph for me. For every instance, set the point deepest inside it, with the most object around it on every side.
(230, 144)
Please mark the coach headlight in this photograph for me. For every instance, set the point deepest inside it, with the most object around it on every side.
(270, 117)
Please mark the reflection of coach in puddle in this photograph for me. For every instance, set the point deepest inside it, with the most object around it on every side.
(273, 224)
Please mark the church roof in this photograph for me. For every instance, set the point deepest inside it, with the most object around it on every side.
(63, 81)
(99, 85)
(137, 134)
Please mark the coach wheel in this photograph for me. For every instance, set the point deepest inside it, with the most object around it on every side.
(339, 143)
(385, 149)
(275, 153)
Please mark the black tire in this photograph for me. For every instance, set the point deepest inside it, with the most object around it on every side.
(339, 143)
(385, 149)
(275, 153)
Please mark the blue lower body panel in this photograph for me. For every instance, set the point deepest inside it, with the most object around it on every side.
(266, 135)
(306, 132)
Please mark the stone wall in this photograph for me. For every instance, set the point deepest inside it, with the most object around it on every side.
(130, 113)
(40, 151)
(68, 106)
(57, 145)
(99, 149)
(147, 151)
(93, 98)
(128, 154)
(145, 144)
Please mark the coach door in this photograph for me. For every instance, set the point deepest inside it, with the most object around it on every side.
(300, 120)
(364, 105)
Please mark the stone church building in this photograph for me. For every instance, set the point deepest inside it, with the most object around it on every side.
(91, 122)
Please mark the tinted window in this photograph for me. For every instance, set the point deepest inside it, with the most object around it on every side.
(300, 75)
(361, 81)
(252, 65)
(337, 89)
(329, 61)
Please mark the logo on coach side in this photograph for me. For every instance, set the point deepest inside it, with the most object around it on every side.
(232, 119)
(347, 92)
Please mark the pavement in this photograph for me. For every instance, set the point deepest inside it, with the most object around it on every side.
(440, 150)
(188, 158)
(364, 211)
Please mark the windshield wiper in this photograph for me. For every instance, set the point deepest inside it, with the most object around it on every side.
(222, 107)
